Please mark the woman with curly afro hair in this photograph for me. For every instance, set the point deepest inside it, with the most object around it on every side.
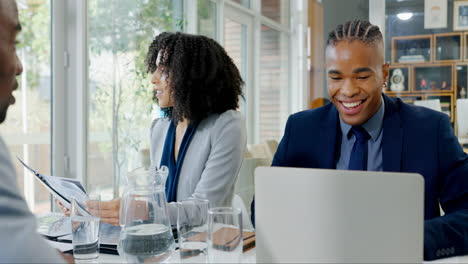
(202, 136)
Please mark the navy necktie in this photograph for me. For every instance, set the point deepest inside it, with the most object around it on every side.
(358, 159)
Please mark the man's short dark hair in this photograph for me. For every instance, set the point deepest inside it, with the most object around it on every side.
(361, 30)
(203, 79)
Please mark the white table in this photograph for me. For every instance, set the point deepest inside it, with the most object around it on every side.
(249, 257)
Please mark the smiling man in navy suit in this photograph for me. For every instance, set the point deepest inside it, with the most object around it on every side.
(362, 129)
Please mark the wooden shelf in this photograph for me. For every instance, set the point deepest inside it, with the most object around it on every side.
(442, 74)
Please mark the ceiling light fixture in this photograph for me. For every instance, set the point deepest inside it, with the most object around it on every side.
(405, 15)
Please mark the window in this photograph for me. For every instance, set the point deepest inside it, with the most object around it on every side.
(120, 108)
(276, 10)
(274, 83)
(245, 3)
(268, 86)
(27, 128)
(207, 18)
(235, 43)
(238, 36)
(103, 102)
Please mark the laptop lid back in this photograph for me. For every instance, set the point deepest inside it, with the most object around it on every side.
(316, 215)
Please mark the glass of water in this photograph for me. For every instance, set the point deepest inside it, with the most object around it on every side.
(85, 229)
(192, 227)
(225, 241)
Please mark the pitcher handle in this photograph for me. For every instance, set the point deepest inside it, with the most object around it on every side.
(161, 173)
(122, 209)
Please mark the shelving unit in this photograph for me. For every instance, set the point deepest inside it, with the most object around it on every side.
(434, 66)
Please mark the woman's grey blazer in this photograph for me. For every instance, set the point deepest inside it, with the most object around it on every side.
(212, 161)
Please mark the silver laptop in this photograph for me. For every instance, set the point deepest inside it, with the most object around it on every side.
(315, 215)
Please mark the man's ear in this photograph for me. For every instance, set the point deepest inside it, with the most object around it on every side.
(385, 71)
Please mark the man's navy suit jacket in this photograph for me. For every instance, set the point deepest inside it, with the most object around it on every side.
(415, 139)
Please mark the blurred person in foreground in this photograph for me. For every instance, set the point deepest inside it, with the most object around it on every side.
(19, 241)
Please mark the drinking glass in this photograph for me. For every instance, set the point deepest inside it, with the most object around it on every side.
(224, 235)
(192, 226)
(85, 229)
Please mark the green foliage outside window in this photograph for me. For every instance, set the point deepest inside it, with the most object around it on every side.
(119, 33)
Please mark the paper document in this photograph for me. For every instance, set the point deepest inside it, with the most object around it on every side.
(63, 189)
(63, 247)
(433, 104)
(53, 225)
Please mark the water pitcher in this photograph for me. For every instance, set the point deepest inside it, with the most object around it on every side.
(146, 234)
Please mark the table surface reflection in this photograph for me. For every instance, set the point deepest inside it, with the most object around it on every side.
(249, 257)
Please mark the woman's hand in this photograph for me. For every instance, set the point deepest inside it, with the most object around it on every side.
(109, 210)
(64, 210)
(67, 257)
